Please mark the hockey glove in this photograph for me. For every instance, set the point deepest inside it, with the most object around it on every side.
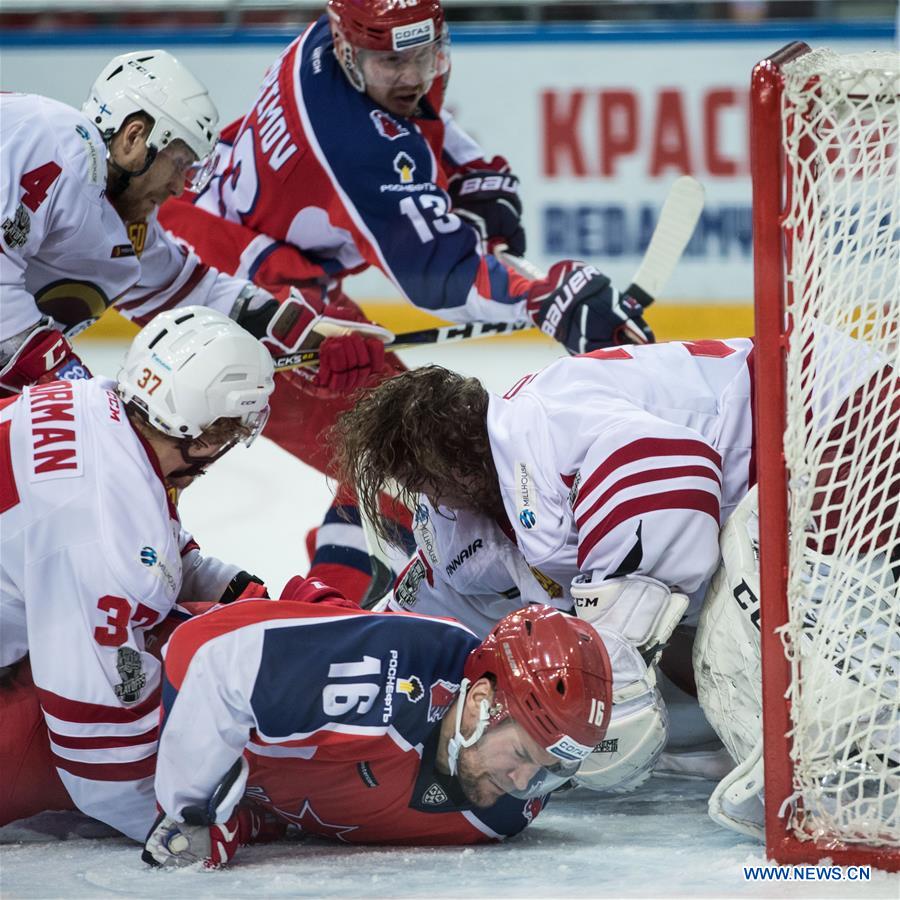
(488, 198)
(244, 586)
(350, 351)
(578, 307)
(172, 844)
(44, 355)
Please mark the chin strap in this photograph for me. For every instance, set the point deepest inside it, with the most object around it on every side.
(123, 177)
(458, 742)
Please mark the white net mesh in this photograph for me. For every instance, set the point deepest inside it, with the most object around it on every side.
(842, 444)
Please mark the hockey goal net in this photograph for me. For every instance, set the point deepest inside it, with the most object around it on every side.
(826, 199)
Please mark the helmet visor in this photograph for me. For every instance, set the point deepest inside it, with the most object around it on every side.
(195, 172)
(414, 66)
(547, 779)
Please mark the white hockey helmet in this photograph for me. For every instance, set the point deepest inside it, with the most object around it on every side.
(191, 366)
(154, 82)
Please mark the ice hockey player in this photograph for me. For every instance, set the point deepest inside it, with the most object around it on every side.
(94, 554)
(80, 230)
(372, 728)
(599, 483)
(348, 160)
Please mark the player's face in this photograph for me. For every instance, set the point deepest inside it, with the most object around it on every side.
(504, 760)
(180, 473)
(397, 81)
(164, 179)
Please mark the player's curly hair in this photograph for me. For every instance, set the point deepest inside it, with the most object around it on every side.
(422, 431)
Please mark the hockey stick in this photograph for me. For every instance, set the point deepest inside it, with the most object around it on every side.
(442, 334)
(676, 223)
(677, 220)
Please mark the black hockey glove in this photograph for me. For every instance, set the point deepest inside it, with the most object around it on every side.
(489, 201)
(244, 586)
(578, 307)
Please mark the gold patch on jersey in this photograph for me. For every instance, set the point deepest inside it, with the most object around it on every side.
(552, 588)
(137, 234)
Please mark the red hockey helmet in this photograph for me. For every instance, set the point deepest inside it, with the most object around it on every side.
(392, 35)
(552, 675)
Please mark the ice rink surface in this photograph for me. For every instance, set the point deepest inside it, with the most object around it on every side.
(254, 508)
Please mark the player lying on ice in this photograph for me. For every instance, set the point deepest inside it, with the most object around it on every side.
(348, 160)
(598, 485)
(372, 728)
(94, 555)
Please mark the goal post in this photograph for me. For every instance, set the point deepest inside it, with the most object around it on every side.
(826, 222)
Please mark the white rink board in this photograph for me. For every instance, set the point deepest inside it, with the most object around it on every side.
(597, 130)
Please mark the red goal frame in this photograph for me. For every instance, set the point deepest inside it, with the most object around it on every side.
(772, 336)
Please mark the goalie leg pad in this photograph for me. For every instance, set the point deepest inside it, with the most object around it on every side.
(727, 665)
(736, 802)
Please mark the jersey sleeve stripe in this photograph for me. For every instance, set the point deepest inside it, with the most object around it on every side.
(126, 771)
(646, 448)
(700, 501)
(104, 741)
(646, 477)
(77, 711)
(194, 279)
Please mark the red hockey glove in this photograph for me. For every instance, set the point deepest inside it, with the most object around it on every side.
(578, 307)
(244, 586)
(486, 194)
(45, 355)
(172, 844)
(346, 363)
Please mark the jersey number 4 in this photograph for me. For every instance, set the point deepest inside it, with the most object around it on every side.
(37, 183)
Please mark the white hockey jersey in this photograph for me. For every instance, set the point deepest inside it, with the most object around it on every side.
(93, 554)
(65, 251)
(466, 567)
(623, 461)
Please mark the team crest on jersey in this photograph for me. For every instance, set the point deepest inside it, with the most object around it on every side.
(532, 808)
(434, 795)
(441, 696)
(17, 229)
(387, 126)
(405, 167)
(130, 669)
(411, 687)
(553, 588)
(573, 491)
(407, 588)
